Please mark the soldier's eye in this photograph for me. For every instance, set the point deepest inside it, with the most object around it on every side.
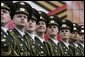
(25, 17)
(33, 21)
(38, 23)
(5, 11)
(54, 27)
(62, 31)
(43, 23)
(66, 30)
(19, 16)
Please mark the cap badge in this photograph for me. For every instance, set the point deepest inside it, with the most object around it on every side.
(64, 25)
(52, 21)
(2, 4)
(22, 9)
(22, 3)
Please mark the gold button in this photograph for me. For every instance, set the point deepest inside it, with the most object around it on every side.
(4, 44)
(5, 36)
(21, 44)
(41, 47)
(42, 52)
(3, 40)
(22, 39)
(33, 46)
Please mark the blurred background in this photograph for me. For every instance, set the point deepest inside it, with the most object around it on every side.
(72, 10)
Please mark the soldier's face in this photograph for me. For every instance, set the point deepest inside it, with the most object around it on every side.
(5, 16)
(41, 26)
(65, 33)
(20, 19)
(31, 25)
(75, 35)
(81, 37)
(52, 30)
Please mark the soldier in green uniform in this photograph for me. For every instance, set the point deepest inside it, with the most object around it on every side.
(81, 33)
(81, 39)
(31, 24)
(52, 31)
(30, 31)
(65, 32)
(74, 40)
(6, 40)
(40, 31)
(22, 13)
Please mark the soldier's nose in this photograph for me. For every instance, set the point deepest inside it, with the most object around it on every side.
(22, 19)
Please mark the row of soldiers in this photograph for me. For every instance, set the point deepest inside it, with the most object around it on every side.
(27, 37)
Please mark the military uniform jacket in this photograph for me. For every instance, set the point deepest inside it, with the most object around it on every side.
(65, 51)
(7, 44)
(75, 50)
(33, 47)
(54, 50)
(81, 49)
(42, 47)
(21, 46)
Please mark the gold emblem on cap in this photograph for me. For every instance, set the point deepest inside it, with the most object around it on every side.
(41, 17)
(63, 20)
(74, 24)
(52, 21)
(82, 31)
(51, 16)
(22, 3)
(2, 4)
(39, 12)
(64, 25)
(22, 9)
(74, 28)
(82, 26)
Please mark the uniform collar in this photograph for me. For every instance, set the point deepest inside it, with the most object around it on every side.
(42, 40)
(82, 45)
(55, 41)
(66, 44)
(76, 44)
(4, 29)
(32, 36)
(22, 33)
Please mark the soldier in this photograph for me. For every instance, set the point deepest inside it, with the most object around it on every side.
(30, 31)
(81, 39)
(81, 33)
(74, 40)
(40, 31)
(22, 13)
(52, 31)
(65, 32)
(6, 40)
(31, 25)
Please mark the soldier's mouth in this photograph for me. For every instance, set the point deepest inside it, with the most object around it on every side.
(41, 28)
(30, 26)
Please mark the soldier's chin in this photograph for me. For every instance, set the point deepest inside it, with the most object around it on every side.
(3, 22)
(81, 40)
(30, 29)
(65, 38)
(23, 25)
(41, 30)
(73, 39)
